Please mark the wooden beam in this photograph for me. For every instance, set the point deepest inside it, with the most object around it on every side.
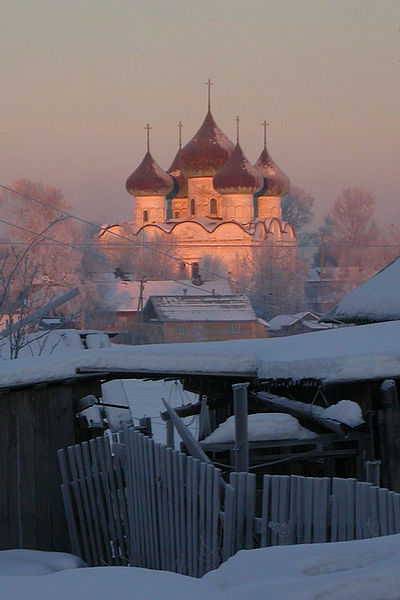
(241, 449)
(307, 412)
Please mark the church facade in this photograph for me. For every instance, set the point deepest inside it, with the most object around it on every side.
(211, 202)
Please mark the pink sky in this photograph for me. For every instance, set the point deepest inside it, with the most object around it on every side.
(80, 80)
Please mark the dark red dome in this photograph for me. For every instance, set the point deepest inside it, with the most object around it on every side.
(238, 176)
(149, 179)
(276, 182)
(207, 151)
(176, 172)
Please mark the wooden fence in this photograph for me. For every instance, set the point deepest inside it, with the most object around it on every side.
(138, 502)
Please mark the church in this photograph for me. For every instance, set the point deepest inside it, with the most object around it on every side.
(211, 202)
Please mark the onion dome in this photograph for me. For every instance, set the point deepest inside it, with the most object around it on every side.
(207, 151)
(176, 172)
(238, 176)
(276, 182)
(149, 179)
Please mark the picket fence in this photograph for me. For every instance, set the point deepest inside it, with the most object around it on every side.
(131, 501)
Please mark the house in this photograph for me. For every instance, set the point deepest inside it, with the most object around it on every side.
(301, 322)
(374, 301)
(126, 298)
(202, 318)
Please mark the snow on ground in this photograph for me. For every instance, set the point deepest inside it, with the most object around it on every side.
(262, 427)
(358, 570)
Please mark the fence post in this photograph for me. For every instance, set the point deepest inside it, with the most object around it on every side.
(170, 434)
(373, 468)
(241, 427)
(145, 424)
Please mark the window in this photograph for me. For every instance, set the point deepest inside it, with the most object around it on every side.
(176, 214)
(145, 215)
(213, 206)
(192, 207)
(234, 327)
(181, 329)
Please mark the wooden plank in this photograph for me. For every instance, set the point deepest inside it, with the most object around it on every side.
(265, 509)
(148, 514)
(159, 501)
(104, 483)
(153, 497)
(300, 512)
(122, 492)
(189, 510)
(202, 519)
(383, 510)
(274, 522)
(284, 499)
(171, 508)
(79, 505)
(391, 526)
(67, 498)
(350, 497)
(100, 501)
(86, 504)
(308, 509)
(144, 500)
(209, 515)
(182, 510)
(215, 559)
(229, 520)
(87, 474)
(138, 487)
(334, 510)
(176, 505)
(320, 508)
(118, 541)
(396, 510)
(373, 520)
(362, 512)
(195, 515)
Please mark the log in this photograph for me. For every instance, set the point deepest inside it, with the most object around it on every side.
(301, 410)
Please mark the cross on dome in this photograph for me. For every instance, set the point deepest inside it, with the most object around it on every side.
(180, 134)
(148, 136)
(237, 128)
(265, 125)
(209, 84)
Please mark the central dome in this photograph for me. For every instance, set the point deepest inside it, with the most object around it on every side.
(207, 151)
(238, 176)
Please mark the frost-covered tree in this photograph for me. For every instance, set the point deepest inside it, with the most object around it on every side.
(297, 208)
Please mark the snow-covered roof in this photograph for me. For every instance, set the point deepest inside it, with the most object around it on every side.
(367, 352)
(276, 323)
(376, 300)
(200, 308)
(124, 295)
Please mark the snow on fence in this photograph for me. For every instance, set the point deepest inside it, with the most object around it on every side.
(138, 502)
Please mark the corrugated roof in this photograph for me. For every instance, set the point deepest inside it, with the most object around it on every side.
(201, 308)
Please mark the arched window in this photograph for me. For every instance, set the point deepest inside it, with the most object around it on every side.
(145, 215)
(192, 207)
(176, 214)
(213, 206)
